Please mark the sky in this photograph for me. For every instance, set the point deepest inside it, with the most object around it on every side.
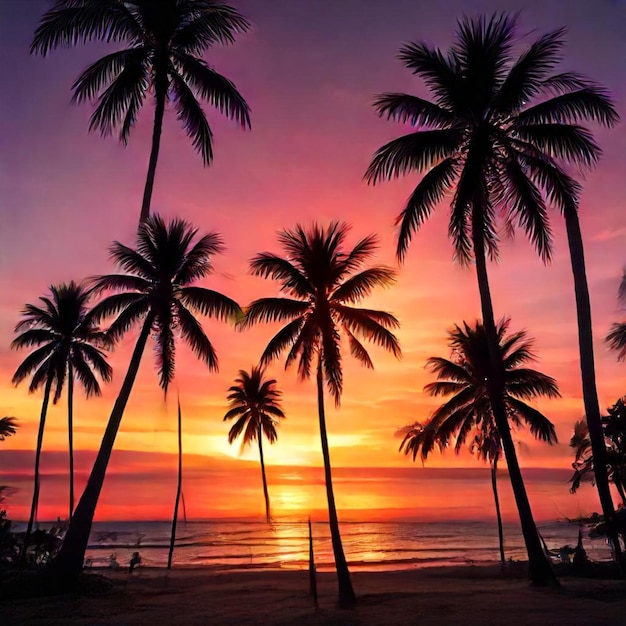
(309, 71)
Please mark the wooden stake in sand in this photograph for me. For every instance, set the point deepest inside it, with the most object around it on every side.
(312, 573)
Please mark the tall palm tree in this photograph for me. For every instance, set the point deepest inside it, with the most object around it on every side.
(68, 346)
(617, 337)
(480, 140)
(469, 409)
(255, 403)
(165, 42)
(318, 275)
(8, 427)
(156, 292)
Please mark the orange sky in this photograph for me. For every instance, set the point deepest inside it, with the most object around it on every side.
(309, 75)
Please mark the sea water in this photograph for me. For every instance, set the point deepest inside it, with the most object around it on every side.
(242, 544)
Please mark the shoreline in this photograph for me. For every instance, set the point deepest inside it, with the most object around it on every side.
(474, 595)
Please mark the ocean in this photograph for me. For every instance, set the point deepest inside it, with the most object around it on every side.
(232, 545)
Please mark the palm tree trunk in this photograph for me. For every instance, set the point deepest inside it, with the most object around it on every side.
(620, 490)
(346, 592)
(70, 431)
(587, 369)
(159, 110)
(496, 499)
(539, 568)
(35, 501)
(178, 488)
(66, 567)
(265, 493)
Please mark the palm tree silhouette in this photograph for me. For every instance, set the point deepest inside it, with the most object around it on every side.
(617, 337)
(165, 42)
(614, 425)
(158, 292)
(480, 140)
(318, 273)
(255, 403)
(8, 427)
(68, 346)
(469, 410)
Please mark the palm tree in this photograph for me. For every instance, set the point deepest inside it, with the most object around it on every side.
(318, 275)
(617, 337)
(157, 292)
(480, 140)
(469, 409)
(8, 427)
(68, 346)
(165, 42)
(614, 425)
(255, 403)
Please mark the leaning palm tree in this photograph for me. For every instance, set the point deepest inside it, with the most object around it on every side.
(163, 59)
(469, 410)
(68, 347)
(481, 140)
(8, 427)
(255, 403)
(617, 337)
(318, 275)
(156, 292)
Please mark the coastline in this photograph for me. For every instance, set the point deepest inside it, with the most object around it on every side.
(471, 595)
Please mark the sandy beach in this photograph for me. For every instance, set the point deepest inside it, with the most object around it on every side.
(467, 596)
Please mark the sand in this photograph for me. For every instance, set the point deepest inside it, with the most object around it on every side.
(460, 596)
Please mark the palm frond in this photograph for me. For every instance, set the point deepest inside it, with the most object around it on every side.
(211, 303)
(331, 359)
(69, 23)
(428, 193)
(116, 303)
(274, 310)
(617, 340)
(196, 338)
(588, 103)
(414, 152)
(270, 265)
(361, 285)
(357, 350)
(105, 70)
(85, 374)
(197, 261)
(525, 202)
(8, 427)
(130, 260)
(214, 88)
(34, 361)
(563, 141)
(439, 73)
(367, 323)
(193, 118)
(95, 360)
(124, 93)
(540, 426)
(402, 107)
(164, 348)
(526, 384)
(34, 337)
(212, 22)
(444, 368)
(284, 338)
(528, 75)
